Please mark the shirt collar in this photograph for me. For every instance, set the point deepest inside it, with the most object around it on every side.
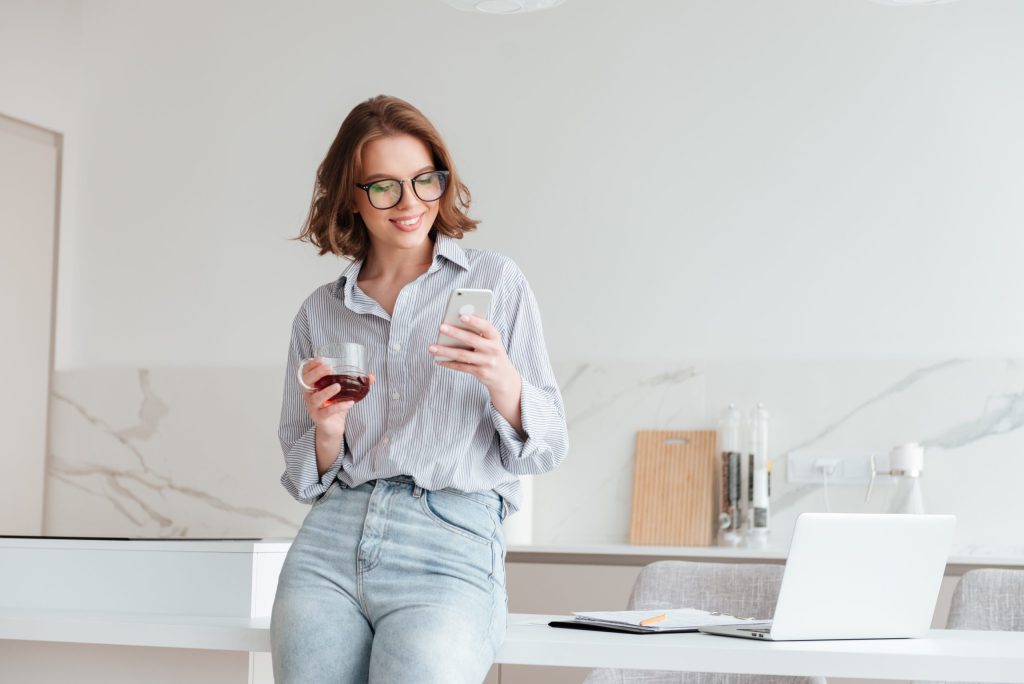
(444, 246)
(448, 247)
(343, 286)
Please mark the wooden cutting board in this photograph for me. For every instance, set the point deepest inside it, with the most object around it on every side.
(673, 488)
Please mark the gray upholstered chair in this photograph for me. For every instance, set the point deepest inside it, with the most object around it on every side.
(745, 590)
(988, 599)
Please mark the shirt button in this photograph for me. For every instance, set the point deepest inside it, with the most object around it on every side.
(386, 440)
(396, 395)
(396, 347)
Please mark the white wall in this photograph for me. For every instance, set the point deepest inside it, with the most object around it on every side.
(40, 83)
(694, 183)
(799, 178)
(39, 54)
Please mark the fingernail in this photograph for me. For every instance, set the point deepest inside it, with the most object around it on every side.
(433, 349)
(464, 319)
(444, 328)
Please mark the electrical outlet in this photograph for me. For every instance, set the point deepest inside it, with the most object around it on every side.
(848, 466)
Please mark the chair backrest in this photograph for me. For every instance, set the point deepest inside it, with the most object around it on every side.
(743, 590)
(740, 589)
(988, 598)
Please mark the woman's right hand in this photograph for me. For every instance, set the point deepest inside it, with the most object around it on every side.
(329, 418)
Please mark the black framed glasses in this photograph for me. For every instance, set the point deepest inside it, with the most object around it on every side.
(387, 192)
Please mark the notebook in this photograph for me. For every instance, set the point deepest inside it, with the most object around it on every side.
(631, 621)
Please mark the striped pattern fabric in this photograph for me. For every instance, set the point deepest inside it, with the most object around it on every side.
(420, 419)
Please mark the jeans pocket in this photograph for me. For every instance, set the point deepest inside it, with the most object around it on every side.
(498, 563)
(458, 514)
(333, 487)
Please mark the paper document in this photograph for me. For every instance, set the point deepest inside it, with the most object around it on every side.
(674, 619)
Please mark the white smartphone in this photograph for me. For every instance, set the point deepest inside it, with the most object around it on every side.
(464, 301)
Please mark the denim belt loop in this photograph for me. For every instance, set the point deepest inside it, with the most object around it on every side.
(417, 491)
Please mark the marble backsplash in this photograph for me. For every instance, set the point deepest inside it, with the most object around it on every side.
(193, 452)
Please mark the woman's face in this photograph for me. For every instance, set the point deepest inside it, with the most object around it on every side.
(405, 225)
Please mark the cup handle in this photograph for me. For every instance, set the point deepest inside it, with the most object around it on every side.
(298, 375)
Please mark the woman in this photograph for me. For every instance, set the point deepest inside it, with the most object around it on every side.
(397, 574)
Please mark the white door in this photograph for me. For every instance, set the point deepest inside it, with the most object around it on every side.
(29, 168)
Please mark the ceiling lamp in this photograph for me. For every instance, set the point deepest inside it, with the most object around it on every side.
(503, 6)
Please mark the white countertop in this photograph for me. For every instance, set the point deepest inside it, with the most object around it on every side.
(169, 544)
(960, 560)
(645, 550)
(942, 655)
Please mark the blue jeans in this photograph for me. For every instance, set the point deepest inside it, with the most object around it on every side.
(389, 583)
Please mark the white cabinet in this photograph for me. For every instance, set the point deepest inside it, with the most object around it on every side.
(194, 611)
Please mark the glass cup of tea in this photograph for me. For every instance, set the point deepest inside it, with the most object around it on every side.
(347, 361)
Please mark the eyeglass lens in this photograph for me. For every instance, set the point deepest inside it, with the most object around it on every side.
(385, 194)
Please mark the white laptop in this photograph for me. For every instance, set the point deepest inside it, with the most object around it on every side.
(857, 576)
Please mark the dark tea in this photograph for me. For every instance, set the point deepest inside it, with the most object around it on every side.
(353, 387)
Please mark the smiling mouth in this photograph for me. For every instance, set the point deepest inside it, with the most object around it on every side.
(407, 223)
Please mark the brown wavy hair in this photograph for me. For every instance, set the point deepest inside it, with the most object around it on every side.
(332, 225)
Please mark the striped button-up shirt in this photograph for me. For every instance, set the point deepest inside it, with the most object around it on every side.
(420, 419)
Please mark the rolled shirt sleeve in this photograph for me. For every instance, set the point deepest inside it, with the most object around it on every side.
(297, 431)
(542, 411)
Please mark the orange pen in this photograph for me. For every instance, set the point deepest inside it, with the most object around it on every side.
(652, 620)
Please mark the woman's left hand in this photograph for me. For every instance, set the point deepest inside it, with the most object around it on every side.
(486, 359)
